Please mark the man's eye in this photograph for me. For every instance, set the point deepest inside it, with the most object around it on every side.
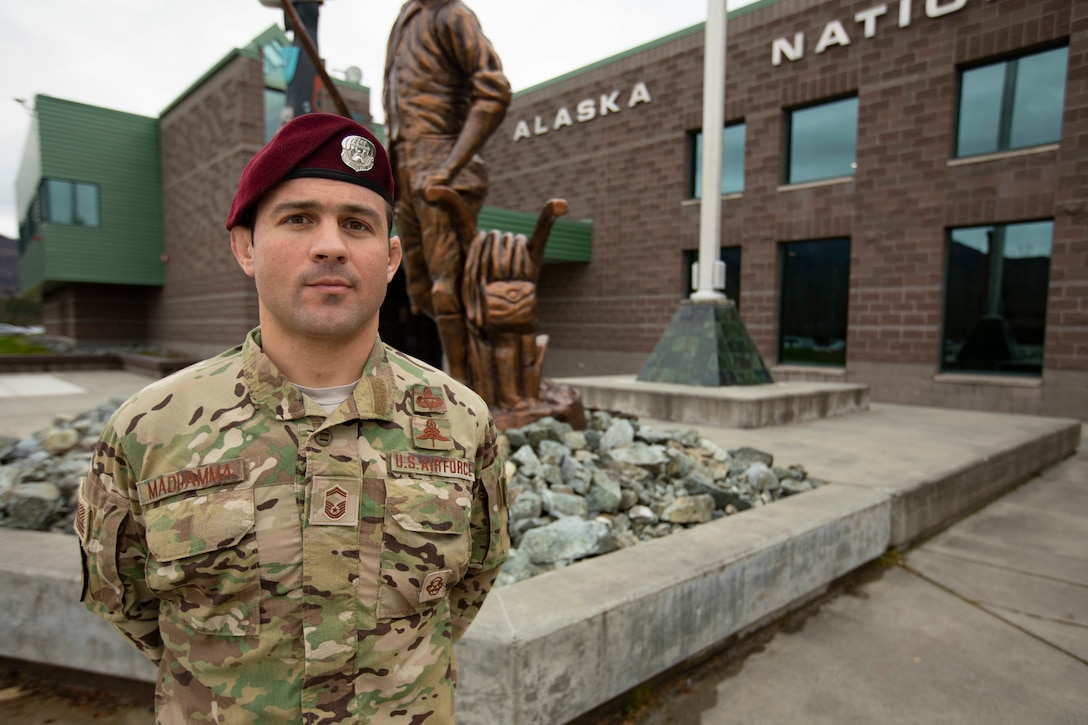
(356, 226)
(295, 219)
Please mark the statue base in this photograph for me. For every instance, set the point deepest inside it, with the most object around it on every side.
(561, 402)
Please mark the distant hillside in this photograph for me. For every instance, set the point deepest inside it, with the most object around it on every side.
(9, 267)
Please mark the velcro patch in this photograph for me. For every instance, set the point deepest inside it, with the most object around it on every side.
(82, 513)
(418, 464)
(435, 585)
(432, 433)
(427, 399)
(191, 479)
(335, 501)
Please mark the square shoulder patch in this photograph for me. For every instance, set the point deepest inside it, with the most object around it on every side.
(428, 400)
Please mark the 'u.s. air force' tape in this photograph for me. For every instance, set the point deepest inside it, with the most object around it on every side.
(417, 464)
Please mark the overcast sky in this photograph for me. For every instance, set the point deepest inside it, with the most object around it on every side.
(140, 55)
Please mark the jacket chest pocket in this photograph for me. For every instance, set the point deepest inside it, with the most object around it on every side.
(203, 561)
(425, 544)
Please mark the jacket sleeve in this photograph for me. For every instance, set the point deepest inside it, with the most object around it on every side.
(490, 537)
(114, 549)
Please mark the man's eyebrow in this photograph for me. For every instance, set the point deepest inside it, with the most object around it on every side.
(312, 205)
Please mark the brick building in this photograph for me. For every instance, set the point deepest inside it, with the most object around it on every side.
(904, 201)
(904, 196)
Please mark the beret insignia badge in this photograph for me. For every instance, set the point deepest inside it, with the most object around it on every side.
(358, 153)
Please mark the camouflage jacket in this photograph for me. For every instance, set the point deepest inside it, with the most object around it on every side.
(284, 565)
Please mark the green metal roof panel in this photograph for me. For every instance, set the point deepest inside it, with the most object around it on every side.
(119, 154)
(570, 240)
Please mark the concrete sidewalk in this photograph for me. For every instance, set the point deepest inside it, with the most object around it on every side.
(30, 401)
(987, 622)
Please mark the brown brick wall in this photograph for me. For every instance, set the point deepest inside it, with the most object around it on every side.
(628, 173)
(207, 304)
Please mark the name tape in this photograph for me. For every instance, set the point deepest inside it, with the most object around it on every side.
(190, 479)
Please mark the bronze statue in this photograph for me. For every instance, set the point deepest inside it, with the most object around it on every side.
(445, 93)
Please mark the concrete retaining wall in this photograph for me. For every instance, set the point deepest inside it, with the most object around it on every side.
(547, 649)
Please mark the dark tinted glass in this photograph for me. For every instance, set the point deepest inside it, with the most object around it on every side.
(996, 297)
(814, 302)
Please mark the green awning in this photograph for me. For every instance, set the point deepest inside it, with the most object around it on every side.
(569, 241)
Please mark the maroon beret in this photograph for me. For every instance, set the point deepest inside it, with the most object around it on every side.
(314, 145)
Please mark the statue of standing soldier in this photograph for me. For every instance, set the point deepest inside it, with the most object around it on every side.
(445, 93)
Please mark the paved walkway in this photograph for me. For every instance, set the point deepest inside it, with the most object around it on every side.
(30, 401)
(987, 622)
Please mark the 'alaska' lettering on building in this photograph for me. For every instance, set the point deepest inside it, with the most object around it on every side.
(836, 33)
(584, 111)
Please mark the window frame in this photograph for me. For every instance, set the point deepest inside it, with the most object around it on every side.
(1004, 127)
(788, 156)
(50, 185)
(956, 277)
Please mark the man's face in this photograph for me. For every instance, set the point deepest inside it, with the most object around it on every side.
(321, 257)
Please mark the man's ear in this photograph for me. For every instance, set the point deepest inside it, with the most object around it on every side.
(241, 243)
(395, 254)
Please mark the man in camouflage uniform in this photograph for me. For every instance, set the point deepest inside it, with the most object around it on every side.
(299, 529)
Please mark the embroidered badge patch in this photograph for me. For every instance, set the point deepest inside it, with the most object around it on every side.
(428, 400)
(334, 501)
(432, 433)
(418, 464)
(435, 585)
(191, 479)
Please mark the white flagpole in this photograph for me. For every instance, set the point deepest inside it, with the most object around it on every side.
(710, 207)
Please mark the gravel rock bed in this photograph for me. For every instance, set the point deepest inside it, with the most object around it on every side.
(572, 494)
(577, 494)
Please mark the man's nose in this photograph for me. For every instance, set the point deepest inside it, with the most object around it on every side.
(328, 243)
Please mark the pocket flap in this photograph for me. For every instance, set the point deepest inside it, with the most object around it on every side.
(199, 524)
(429, 508)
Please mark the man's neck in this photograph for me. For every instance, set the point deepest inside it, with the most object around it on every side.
(318, 362)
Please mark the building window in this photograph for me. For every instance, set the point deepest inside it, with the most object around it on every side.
(732, 161)
(1013, 104)
(995, 298)
(814, 302)
(731, 257)
(823, 141)
(69, 202)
